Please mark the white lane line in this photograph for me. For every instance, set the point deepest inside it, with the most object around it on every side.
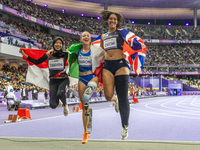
(27, 121)
(194, 104)
(170, 111)
(186, 110)
(178, 104)
(165, 114)
(160, 101)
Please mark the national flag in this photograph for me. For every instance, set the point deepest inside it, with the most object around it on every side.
(37, 74)
(134, 48)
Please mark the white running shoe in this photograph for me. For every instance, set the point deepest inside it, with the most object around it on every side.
(124, 134)
(66, 110)
(116, 106)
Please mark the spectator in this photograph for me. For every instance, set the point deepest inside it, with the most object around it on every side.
(10, 97)
(8, 88)
(24, 93)
(35, 93)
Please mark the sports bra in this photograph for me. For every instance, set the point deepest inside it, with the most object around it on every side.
(113, 40)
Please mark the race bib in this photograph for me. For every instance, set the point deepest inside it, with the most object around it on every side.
(110, 43)
(56, 64)
(85, 61)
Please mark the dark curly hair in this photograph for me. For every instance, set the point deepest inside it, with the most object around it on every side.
(105, 14)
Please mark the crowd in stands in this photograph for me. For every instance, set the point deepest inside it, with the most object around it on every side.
(17, 77)
(95, 26)
(41, 37)
(173, 55)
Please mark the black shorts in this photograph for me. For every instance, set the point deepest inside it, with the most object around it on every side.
(114, 65)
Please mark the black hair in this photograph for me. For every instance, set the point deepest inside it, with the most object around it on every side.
(105, 14)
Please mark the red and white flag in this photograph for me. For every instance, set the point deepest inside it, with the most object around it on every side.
(37, 74)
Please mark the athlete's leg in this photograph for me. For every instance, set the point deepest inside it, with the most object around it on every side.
(53, 98)
(108, 85)
(62, 90)
(91, 87)
(121, 82)
(81, 90)
(61, 94)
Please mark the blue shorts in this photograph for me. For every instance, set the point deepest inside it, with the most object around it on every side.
(85, 79)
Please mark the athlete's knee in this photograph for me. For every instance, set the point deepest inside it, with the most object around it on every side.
(91, 87)
(53, 106)
(61, 93)
(108, 95)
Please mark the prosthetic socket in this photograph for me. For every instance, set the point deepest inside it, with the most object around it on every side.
(91, 87)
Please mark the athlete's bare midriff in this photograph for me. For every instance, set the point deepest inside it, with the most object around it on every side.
(113, 54)
(85, 73)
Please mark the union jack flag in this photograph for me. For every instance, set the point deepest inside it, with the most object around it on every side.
(134, 48)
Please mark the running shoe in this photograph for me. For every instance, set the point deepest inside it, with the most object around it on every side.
(124, 134)
(66, 110)
(85, 138)
(116, 106)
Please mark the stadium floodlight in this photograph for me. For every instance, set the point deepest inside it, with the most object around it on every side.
(132, 22)
(82, 15)
(169, 24)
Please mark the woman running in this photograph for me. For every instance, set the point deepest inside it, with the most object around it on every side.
(88, 81)
(115, 69)
(57, 62)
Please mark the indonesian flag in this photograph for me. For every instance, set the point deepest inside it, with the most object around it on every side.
(37, 74)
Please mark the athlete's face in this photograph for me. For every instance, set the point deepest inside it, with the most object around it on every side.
(58, 45)
(112, 21)
(86, 39)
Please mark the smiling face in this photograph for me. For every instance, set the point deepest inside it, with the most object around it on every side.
(58, 45)
(85, 39)
(112, 21)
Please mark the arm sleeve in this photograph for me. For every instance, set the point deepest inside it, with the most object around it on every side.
(38, 61)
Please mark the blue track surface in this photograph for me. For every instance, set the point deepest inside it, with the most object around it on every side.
(154, 119)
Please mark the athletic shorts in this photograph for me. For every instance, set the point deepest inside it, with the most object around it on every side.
(85, 79)
(114, 65)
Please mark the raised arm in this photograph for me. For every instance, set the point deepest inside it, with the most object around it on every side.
(35, 61)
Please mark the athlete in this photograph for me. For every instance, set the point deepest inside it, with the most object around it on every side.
(88, 58)
(57, 62)
(115, 69)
